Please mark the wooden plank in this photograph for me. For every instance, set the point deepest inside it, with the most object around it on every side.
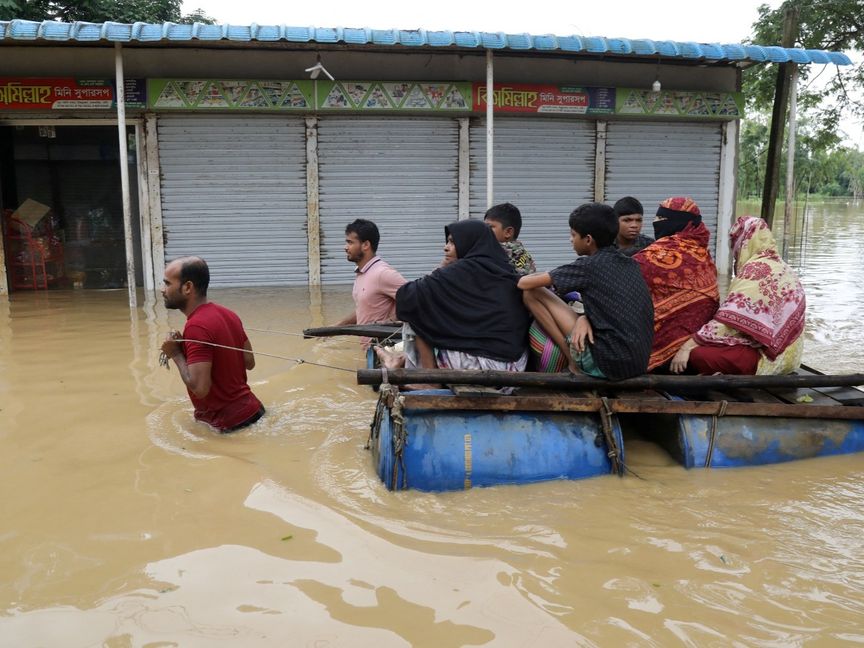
(845, 395)
(673, 384)
(792, 396)
(475, 390)
(630, 406)
(392, 331)
(753, 396)
(644, 394)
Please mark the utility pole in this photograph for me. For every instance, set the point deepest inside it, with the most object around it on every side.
(778, 118)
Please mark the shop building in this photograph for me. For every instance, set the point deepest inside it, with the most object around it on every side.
(235, 153)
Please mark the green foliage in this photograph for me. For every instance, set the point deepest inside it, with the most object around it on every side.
(824, 95)
(97, 11)
(197, 15)
(834, 171)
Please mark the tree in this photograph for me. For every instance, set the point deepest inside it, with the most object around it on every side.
(823, 24)
(97, 11)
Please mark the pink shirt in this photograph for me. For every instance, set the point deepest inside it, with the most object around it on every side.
(374, 292)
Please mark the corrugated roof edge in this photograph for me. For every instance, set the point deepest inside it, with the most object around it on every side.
(26, 30)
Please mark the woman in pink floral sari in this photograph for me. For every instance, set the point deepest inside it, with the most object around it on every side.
(759, 327)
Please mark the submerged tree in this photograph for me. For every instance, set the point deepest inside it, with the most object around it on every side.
(125, 11)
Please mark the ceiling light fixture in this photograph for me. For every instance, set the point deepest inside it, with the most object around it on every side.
(317, 69)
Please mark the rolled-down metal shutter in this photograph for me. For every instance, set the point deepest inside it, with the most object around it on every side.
(655, 160)
(400, 173)
(543, 166)
(234, 192)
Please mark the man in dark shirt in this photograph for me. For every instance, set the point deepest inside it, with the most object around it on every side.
(619, 317)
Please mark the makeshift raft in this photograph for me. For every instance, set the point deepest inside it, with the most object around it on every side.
(560, 426)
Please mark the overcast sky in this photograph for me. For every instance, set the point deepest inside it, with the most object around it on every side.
(691, 20)
(680, 20)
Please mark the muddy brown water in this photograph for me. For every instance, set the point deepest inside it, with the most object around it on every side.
(126, 523)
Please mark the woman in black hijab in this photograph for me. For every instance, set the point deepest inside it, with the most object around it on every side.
(469, 310)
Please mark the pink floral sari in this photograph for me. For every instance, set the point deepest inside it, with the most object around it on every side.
(765, 305)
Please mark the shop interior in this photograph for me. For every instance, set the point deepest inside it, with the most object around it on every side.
(62, 209)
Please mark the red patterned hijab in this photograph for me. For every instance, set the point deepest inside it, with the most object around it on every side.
(682, 279)
(766, 299)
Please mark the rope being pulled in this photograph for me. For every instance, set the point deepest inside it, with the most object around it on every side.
(163, 359)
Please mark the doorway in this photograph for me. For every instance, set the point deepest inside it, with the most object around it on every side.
(62, 216)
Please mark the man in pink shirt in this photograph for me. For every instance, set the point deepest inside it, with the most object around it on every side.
(375, 283)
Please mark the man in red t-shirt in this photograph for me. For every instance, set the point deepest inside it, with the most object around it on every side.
(215, 377)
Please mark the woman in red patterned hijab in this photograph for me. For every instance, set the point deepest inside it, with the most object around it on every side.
(681, 277)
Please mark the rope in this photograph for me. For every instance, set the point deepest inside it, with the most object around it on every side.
(375, 426)
(612, 447)
(163, 359)
(257, 330)
(400, 434)
(712, 432)
(390, 337)
(614, 454)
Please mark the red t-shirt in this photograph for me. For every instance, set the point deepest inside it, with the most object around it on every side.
(230, 401)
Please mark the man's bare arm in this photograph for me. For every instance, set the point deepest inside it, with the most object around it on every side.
(249, 358)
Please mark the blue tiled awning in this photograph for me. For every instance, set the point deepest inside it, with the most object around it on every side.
(25, 30)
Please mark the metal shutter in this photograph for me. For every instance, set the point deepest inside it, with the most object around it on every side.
(400, 173)
(234, 192)
(655, 160)
(543, 166)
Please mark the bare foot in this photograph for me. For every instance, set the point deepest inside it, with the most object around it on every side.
(390, 359)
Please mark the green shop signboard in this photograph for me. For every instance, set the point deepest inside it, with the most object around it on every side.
(388, 95)
(679, 104)
(229, 94)
(430, 96)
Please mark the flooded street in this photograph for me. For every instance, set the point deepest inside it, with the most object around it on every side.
(126, 523)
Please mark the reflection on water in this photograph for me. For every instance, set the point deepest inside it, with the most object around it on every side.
(127, 523)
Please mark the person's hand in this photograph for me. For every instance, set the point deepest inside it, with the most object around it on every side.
(679, 362)
(580, 333)
(170, 347)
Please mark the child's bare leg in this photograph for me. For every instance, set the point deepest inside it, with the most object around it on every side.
(554, 316)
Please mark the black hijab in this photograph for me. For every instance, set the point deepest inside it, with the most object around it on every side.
(471, 305)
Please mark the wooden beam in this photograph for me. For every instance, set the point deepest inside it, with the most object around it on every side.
(778, 119)
(571, 381)
(630, 406)
(362, 330)
(600, 161)
(313, 205)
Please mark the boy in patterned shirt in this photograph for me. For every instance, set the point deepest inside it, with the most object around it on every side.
(617, 303)
(505, 221)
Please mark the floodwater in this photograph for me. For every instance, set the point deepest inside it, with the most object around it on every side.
(126, 523)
